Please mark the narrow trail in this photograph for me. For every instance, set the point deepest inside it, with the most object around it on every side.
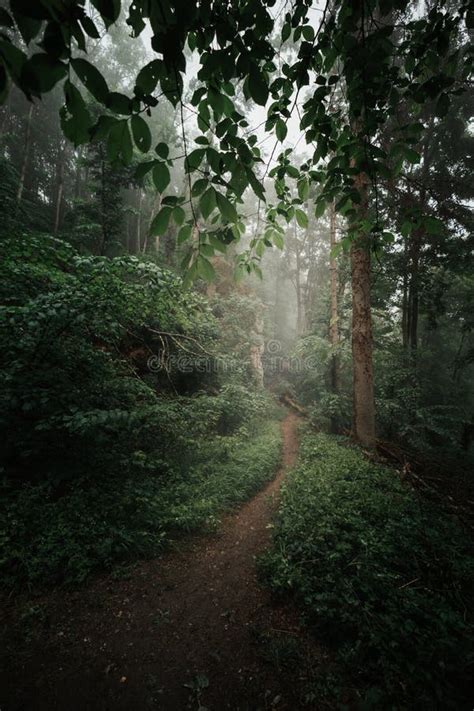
(191, 618)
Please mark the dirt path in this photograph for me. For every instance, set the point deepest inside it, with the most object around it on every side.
(191, 629)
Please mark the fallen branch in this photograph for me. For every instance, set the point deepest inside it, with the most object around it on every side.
(287, 400)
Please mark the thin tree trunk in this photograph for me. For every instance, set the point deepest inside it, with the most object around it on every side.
(139, 222)
(156, 204)
(26, 155)
(334, 319)
(299, 306)
(405, 297)
(78, 175)
(127, 224)
(102, 203)
(414, 291)
(363, 378)
(59, 186)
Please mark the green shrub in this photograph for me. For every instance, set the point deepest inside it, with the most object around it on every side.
(105, 457)
(382, 576)
(47, 539)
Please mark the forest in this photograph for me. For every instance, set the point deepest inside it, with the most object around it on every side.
(237, 327)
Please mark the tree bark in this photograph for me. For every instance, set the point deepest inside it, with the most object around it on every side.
(78, 174)
(414, 290)
(334, 319)
(26, 155)
(363, 378)
(299, 304)
(405, 296)
(103, 206)
(59, 186)
(139, 222)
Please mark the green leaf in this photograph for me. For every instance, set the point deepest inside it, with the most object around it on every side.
(285, 31)
(411, 155)
(226, 208)
(75, 118)
(208, 202)
(119, 143)
(308, 33)
(258, 86)
(281, 130)
(161, 177)
(178, 215)
(42, 72)
(143, 169)
(205, 269)
(141, 133)
(199, 186)
(433, 226)
(89, 27)
(108, 9)
(406, 228)
(148, 77)
(303, 189)
(257, 186)
(160, 222)
(91, 78)
(14, 60)
(102, 128)
(194, 159)
(162, 150)
(301, 218)
(185, 233)
(119, 103)
(278, 240)
(319, 208)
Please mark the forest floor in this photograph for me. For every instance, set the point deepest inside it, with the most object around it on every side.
(191, 629)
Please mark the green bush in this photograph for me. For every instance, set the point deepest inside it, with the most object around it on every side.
(383, 576)
(105, 457)
(74, 397)
(47, 539)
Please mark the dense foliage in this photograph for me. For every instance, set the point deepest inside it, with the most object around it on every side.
(48, 538)
(162, 263)
(384, 578)
(110, 441)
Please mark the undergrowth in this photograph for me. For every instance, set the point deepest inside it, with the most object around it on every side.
(384, 578)
(48, 539)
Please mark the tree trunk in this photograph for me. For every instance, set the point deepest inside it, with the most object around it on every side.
(414, 291)
(363, 416)
(334, 318)
(363, 378)
(405, 296)
(59, 186)
(139, 222)
(156, 204)
(26, 155)
(299, 305)
(78, 174)
(103, 206)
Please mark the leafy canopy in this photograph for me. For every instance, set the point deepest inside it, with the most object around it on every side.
(376, 53)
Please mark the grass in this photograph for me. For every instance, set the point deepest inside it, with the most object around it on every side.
(48, 539)
(383, 577)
